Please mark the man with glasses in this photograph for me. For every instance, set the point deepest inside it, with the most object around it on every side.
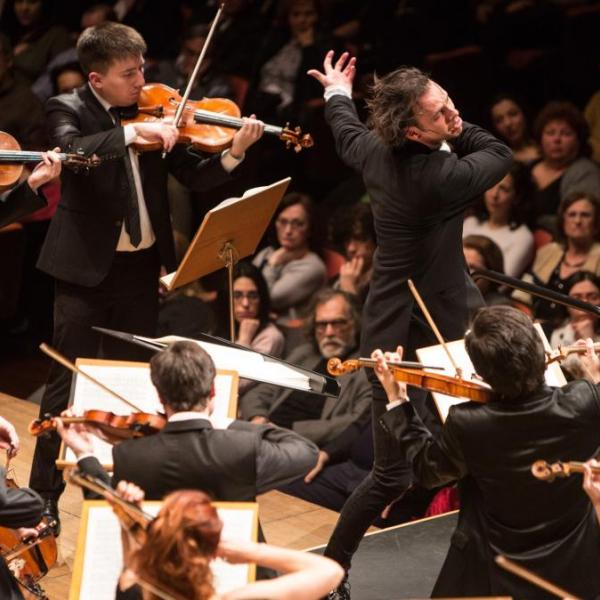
(334, 326)
(422, 167)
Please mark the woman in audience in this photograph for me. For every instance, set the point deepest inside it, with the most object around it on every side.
(483, 253)
(35, 39)
(580, 325)
(576, 250)
(185, 537)
(509, 122)
(293, 269)
(500, 217)
(564, 168)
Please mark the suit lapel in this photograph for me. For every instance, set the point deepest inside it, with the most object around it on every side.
(96, 108)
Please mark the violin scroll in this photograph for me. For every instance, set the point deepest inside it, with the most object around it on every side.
(550, 471)
(336, 367)
(294, 138)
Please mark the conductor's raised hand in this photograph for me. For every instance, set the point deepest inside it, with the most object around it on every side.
(395, 390)
(340, 74)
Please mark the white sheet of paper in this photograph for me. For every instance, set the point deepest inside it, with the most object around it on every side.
(133, 383)
(103, 558)
(435, 355)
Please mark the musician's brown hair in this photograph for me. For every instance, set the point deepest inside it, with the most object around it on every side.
(100, 46)
(394, 102)
(506, 351)
(179, 546)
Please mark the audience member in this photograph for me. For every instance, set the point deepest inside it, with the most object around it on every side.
(334, 327)
(592, 116)
(356, 233)
(575, 250)
(65, 78)
(501, 216)
(184, 538)
(21, 113)
(481, 252)
(510, 124)
(35, 39)
(580, 325)
(293, 268)
(562, 133)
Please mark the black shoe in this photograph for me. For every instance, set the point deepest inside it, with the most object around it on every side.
(50, 513)
(342, 591)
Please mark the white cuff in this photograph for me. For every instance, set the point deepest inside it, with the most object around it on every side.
(395, 403)
(332, 90)
(130, 133)
(229, 162)
(85, 455)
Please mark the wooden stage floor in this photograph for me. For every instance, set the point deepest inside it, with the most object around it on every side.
(286, 521)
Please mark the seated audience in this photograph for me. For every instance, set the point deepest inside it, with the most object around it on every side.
(575, 250)
(176, 553)
(564, 167)
(334, 328)
(357, 236)
(510, 124)
(501, 217)
(292, 269)
(65, 78)
(592, 116)
(35, 39)
(483, 253)
(21, 113)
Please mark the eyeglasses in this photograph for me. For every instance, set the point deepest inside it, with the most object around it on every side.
(251, 296)
(589, 297)
(574, 214)
(336, 325)
(294, 223)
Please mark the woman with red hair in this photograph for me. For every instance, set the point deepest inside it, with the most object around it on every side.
(183, 539)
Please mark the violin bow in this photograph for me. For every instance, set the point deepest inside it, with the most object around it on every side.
(433, 326)
(192, 79)
(58, 357)
(523, 573)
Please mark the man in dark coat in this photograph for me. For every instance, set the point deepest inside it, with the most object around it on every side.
(550, 529)
(111, 232)
(420, 187)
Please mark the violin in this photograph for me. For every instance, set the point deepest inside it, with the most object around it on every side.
(434, 382)
(28, 561)
(13, 159)
(551, 471)
(208, 124)
(114, 428)
(563, 352)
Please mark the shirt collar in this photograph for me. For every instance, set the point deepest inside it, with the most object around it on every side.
(188, 415)
(105, 105)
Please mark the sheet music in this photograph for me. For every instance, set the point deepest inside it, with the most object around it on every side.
(251, 365)
(132, 381)
(246, 194)
(435, 355)
(103, 556)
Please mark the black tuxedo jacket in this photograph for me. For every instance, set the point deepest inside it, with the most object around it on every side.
(233, 464)
(418, 196)
(84, 232)
(548, 528)
(19, 202)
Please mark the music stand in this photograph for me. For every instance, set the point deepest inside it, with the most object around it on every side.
(230, 231)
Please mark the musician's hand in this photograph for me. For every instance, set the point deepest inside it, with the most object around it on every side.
(75, 436)
(259, 420)
(27, 533)
(45, 171)
(589, 361)
(251, 132)
(130, 493)
(322, 460)
(160, 131)
(394, 390)
(9, 440)
(591, 482)
(342, 74)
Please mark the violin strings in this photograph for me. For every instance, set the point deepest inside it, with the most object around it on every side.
(217, 119)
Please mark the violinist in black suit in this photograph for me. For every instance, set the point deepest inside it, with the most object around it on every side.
(422, 167)
(550, 529)
(27, 197)
(111, 232)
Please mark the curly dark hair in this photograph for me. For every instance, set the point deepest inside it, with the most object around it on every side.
(392, 102)
(570, 114)
(247, 269)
